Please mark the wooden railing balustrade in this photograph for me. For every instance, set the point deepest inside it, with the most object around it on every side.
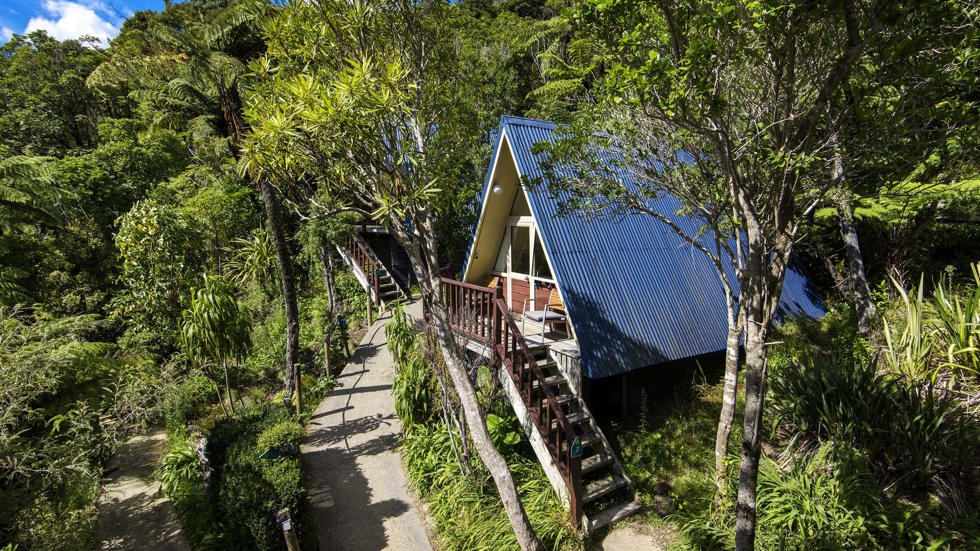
(368, 264)
(482, 313)
(471, 308)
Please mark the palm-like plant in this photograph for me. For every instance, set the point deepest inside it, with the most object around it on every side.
(908, 349)
(215, 330)
(254, 260)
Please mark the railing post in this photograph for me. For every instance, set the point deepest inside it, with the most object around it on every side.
(575, 505)
(498, 318)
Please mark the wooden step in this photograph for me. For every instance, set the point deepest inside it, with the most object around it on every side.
(555, 380)
(606, 486)
(576, 418)
(564, 398)
(596, 461)
(609, 515)
(590, 439)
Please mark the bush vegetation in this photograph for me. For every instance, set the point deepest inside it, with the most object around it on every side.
(874, 444)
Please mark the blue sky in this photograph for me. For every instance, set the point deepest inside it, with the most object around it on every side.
(65, 19)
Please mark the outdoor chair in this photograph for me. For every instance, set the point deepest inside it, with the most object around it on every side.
(552, 313)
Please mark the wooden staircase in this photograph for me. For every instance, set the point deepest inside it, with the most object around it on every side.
(607, 492)
(575, 455)
(371, 272)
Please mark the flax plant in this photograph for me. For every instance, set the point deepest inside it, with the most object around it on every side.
(959, 323)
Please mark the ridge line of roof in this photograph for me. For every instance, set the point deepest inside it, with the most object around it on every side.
(525, 121)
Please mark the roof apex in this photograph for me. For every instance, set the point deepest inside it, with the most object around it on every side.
(524, 121)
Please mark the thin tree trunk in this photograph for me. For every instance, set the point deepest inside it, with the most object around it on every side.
(293, 388)
(326, 270)
(860, 292)
(726, 418)
(858, 280)
(492, 458)
(421, 247)
(231, 401)
(221, 400)
(755, 382)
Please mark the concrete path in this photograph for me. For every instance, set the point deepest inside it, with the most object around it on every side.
(357, 485)
(133, 513)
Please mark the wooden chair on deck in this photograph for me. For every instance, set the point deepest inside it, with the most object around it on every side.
(553, 312)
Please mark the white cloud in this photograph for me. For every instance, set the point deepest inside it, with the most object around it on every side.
(5, 34)
(73, 20)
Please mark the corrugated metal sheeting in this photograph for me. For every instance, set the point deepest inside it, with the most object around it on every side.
(636, 292)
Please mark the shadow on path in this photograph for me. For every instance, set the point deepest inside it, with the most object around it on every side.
(357, 488)
(133, 513)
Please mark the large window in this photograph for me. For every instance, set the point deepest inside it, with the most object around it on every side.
(519, 256)
(520, 249)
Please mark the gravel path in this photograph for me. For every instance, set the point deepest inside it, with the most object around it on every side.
(133, 513)
(356, 482)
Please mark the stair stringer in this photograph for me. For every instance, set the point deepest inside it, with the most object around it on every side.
(537, 441)
(356, 270)
(363, 278)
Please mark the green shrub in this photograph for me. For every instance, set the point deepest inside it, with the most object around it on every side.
(63, 519)
(187, 401)
(282, 435)
(352, 294)
(918, 437)
(249, 491)
(182, 480)
(839, 396)
(180, 469)
(414, 387)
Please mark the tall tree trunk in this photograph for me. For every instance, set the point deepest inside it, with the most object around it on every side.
(231, 111)
(492, 458)
(761, 286)
(753, 301)
(860, 292)
(326, 270)
(421, 247)
(726, 418)
(293, 387)
(755, 382)
(858, 280)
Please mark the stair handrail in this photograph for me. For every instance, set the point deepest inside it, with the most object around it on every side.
(366, 261)
(482, 313)
(520, 356)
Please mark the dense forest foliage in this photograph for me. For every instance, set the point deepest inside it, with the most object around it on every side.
(170, 209)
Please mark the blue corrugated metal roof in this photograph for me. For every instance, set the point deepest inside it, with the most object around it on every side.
(637, 293)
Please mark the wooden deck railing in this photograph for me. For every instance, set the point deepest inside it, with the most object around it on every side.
(481, 313)
(368, 264)
(471, 308)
